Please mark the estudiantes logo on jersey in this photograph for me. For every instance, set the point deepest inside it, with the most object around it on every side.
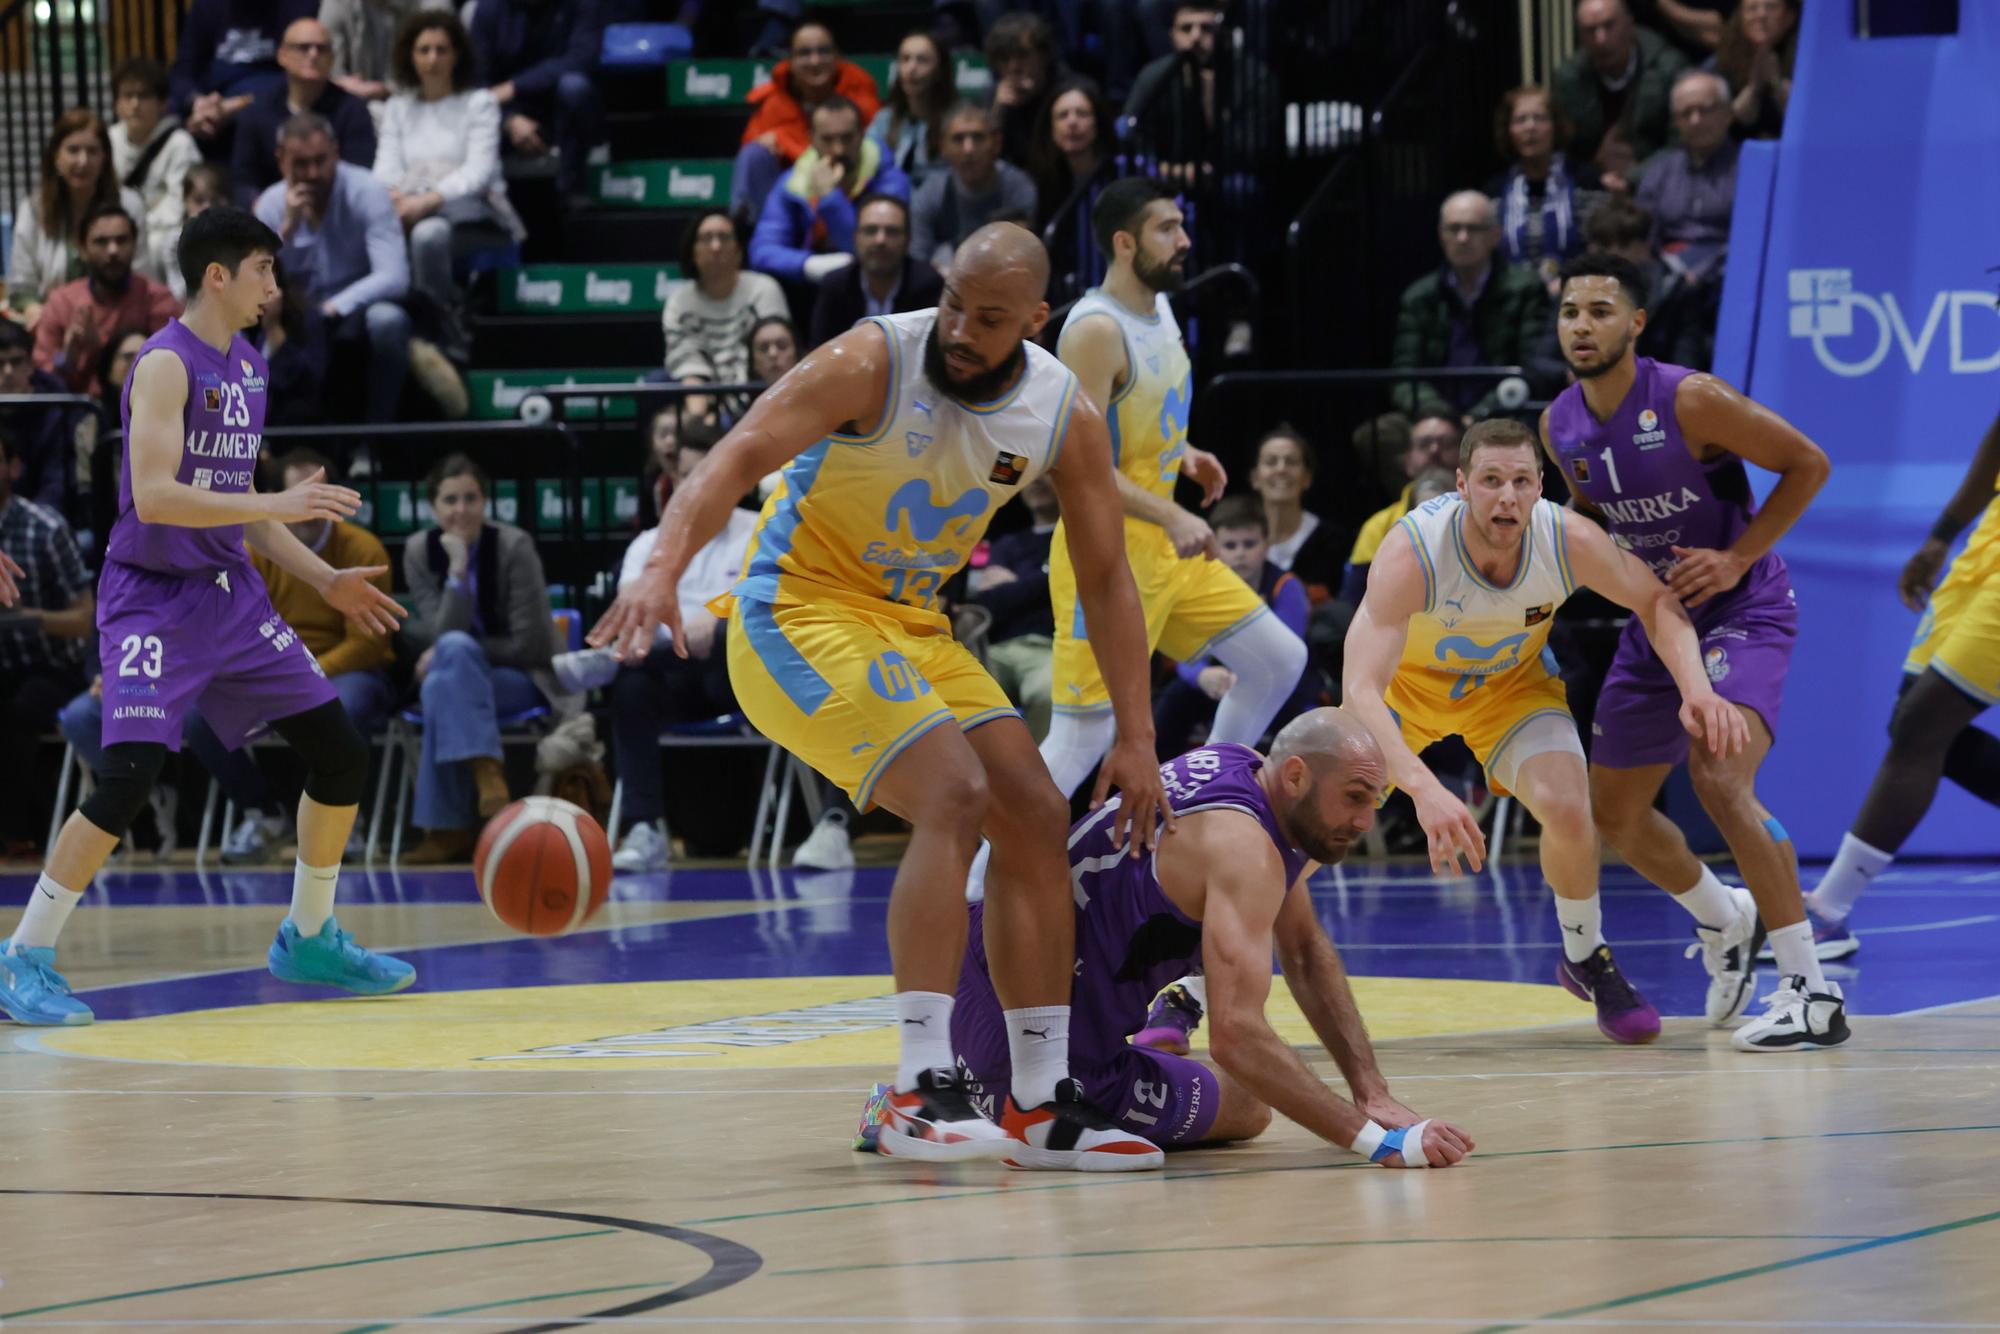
(1852, 330)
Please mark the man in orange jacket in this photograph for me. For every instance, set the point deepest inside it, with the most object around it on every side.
(780, 127)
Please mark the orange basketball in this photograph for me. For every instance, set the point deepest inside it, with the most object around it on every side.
(543, 866)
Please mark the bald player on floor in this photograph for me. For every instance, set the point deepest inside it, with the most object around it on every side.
(1221, 894)
(898, 440)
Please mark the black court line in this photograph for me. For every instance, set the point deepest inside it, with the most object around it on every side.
(729, 1262)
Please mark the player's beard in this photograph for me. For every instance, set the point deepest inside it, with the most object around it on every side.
(1606, 359)
(1311, 834)
(981, 388)
(1159, 275)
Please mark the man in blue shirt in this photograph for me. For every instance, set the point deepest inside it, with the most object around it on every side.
(344, 244)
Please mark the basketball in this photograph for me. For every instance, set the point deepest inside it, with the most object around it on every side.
(543, 866)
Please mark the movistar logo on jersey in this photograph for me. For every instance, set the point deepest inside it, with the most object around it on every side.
(1649, 509)
(914, 504)
(1851, 331)
(1469, 657)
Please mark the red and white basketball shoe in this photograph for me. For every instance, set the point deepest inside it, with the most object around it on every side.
(1069, 1134)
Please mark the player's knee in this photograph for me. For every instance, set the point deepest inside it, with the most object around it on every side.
(130, 769)
(1037, 808)
(338, 775)
(1567, 816)
(387, 321)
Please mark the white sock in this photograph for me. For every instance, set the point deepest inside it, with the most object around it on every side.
(312, 896)
(1197, 986)
(1792, 947)
(1852, 869)
(1074, 745)
(1038, 1043)
(1709, 902)
(923, 1019)
(1268, 660)
(49, 906)
(1582, 923)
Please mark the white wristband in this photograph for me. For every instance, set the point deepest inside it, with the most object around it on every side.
(1369, 1140)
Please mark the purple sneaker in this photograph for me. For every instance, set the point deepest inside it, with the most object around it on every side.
(1622, 1013)
(1174, 1018)
(1831, 940)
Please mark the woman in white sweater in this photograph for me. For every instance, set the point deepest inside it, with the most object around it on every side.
(438, 151)
(76, 175)
(707, 320)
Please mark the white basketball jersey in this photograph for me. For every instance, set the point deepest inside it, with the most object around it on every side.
(1469, 627)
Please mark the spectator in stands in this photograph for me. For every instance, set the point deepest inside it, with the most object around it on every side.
(440, 158)
(536, 57)
(76, 176)
(1690, 189)
(355, 661)
(227, 54)
(1177, 117)
(151, 154)
(665, 688)
(41, 657)
(910, 124)
(114, 366)
(79, 315)
(481, 622)
(1694, 26)
(1680, 313)
(1615, 89)
(206, 186)
(1021, 53)
(44, 437)
(782, 125)
(708, 320)
(1470, 312)
(293, 339)
(885, 279)
(1299, 540)
(774, 349)
(1759, 45)
(344, 246)
(978, 189)
(1013, 585)
(1541, 199)
(364, 36)
(1072, 138)
(806, 228)
(1184, 708)
(307, 57)
(1433, 447)
(663, 451)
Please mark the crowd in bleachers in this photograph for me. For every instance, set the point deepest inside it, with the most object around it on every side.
(387, 141)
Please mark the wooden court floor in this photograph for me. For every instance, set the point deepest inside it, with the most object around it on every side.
(648, 1124)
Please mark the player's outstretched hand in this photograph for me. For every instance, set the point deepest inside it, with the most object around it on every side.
(1452, 831)
(1920, 576)
(315, 498)
(1205, 471)
(627, 628)
(1703, 573)
(1718, 722)
(10, 592)
(355, 595)
(1445, 1145)
(1142, 797)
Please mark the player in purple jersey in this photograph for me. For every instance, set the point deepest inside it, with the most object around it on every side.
(1223, 893)
(1655, 453)
(184, 623)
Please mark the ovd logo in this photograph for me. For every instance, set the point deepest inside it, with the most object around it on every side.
(1824, 306)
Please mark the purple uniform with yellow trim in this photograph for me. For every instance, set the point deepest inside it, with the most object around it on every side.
(843, 657)
(183, 620)
(1131, 940)
(1636, 469)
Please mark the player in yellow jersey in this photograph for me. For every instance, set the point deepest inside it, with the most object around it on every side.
(898, 440)
(1451, 639)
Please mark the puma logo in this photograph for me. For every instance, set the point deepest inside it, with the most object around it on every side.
(1042, 1033)
(1578, 928)
(921, 1023)
(927, 519)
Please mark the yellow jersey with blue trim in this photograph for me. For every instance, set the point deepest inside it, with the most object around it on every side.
(1471, 630)
(1148, 414)
(881, 520)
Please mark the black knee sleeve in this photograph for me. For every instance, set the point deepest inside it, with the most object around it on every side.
(335, 754)
(123, 783)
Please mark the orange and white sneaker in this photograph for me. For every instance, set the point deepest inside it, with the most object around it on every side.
(1069, 1134)
(934, 1122)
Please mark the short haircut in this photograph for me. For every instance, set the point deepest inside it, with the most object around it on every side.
(877, 197)
(455, 465)
(308, 458)
(1205, 6)
(1432, 482)
(1239, 512)
(225, 235)
(1020, 35)
(1434, 412)
(689, 242)
(1496, 432)
(210, 178)
(304, 125)
(96, 213)
(1384, 428)
(149, 74)
(403, 59)
(15, 336)
(837, 103)
(1597, 264)
(1120, 206)
(965, 108)
(821, 24)
(1617, 222)
(1707, 75)
(1287, 431)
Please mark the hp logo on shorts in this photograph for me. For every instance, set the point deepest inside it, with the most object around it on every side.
(894, 678)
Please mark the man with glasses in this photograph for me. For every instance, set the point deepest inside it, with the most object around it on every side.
(1691, 189)
(1470, 312)
(885, 279)
(306, 56)
(781, 118)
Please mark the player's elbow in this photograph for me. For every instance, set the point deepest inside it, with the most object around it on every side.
(148, 502)
(1234, 1038)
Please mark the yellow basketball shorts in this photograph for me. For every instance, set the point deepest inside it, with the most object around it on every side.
(846, 689)
(1959, 636)
(1190, 605)
(1506, 719)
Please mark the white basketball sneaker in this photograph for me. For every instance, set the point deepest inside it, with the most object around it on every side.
(1795, 1019)
(828, 847)
(643, 849)
(1728, 953)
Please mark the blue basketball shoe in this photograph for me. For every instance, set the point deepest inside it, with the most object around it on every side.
(1831, 939)
(33, 992)
(332, 959)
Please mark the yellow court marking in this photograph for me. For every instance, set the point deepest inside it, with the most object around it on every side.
(737, 1023)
